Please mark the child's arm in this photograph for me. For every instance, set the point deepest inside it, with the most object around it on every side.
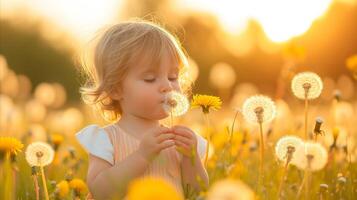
(193, 172)
(105, 180)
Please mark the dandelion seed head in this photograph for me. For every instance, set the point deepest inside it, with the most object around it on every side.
(313, 157)
(306, 84)
(285, 145)
(39, 154)
(259, 109)
(176, 103)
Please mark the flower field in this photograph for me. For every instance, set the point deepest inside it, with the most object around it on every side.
(261, 146)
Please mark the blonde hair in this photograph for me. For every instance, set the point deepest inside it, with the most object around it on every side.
(118, 48)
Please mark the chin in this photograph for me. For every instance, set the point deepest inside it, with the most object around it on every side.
(161, 116)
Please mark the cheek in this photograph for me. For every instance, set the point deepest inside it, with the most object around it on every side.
(141, 95)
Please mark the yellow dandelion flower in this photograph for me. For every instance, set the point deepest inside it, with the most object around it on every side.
(39, 154)
(259, 109)
(230, 189)
(351, 63)
(306, 85)
(149, 188)
(57, 139)
(176, 103)
(206, 102)
(62, 189)
(312, 157)
(285, 148)
(10, 146)
(335, 132)
(78, 185)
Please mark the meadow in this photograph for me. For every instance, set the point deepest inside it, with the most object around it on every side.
(260, 146)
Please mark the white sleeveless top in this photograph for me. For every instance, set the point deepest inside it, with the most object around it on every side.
(167, 165)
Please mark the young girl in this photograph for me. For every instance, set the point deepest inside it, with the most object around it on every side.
(136, 64)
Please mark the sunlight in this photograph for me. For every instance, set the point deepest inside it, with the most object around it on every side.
(81, 18)
(280, 19)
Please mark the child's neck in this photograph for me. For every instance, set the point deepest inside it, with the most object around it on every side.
(136, 125)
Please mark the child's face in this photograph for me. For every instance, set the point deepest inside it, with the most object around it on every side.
(144, 89)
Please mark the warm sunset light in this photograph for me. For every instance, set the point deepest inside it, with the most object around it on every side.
(80, 18)
(280, 19)
(178, 99)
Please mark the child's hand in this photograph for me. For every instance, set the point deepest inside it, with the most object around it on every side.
(155, 140)
(185, 140)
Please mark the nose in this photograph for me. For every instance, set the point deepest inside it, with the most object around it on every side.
(165, 86)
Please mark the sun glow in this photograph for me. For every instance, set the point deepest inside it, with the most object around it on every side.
(280, 19)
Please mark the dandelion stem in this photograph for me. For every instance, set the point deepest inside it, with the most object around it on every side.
(44, 182)
(37, 189)
(8, 178)
(208, 137)
(171, 119)
(308, 183)
(302, 185)
(306, 117)
(283, 178)
(261, 153)
(232, 128)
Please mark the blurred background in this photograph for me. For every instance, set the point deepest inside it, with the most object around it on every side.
(249, 44)
(236, 49)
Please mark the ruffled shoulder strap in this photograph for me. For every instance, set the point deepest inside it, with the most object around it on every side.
(96, 141)
(201, 146)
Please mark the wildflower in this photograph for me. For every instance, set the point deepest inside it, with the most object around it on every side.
(230, 189)
(306, 85)
(351, 64)
(176, 103)
(259, 109)
(317, 129)
(56, 140)
(206, 102)
(285, 148)
(79, 186)
(149, 188)
(62, 189)
(313, 157)
(10, 146)
(39, 154)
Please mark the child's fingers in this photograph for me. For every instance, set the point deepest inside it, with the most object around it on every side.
(181, 144)
(166, 144)
(182, 139)
(165, 136)
(183, 132)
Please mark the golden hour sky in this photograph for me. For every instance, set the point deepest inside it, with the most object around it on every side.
(81, 18)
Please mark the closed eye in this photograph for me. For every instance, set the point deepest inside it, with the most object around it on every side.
(151, 80)
(173, 79)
